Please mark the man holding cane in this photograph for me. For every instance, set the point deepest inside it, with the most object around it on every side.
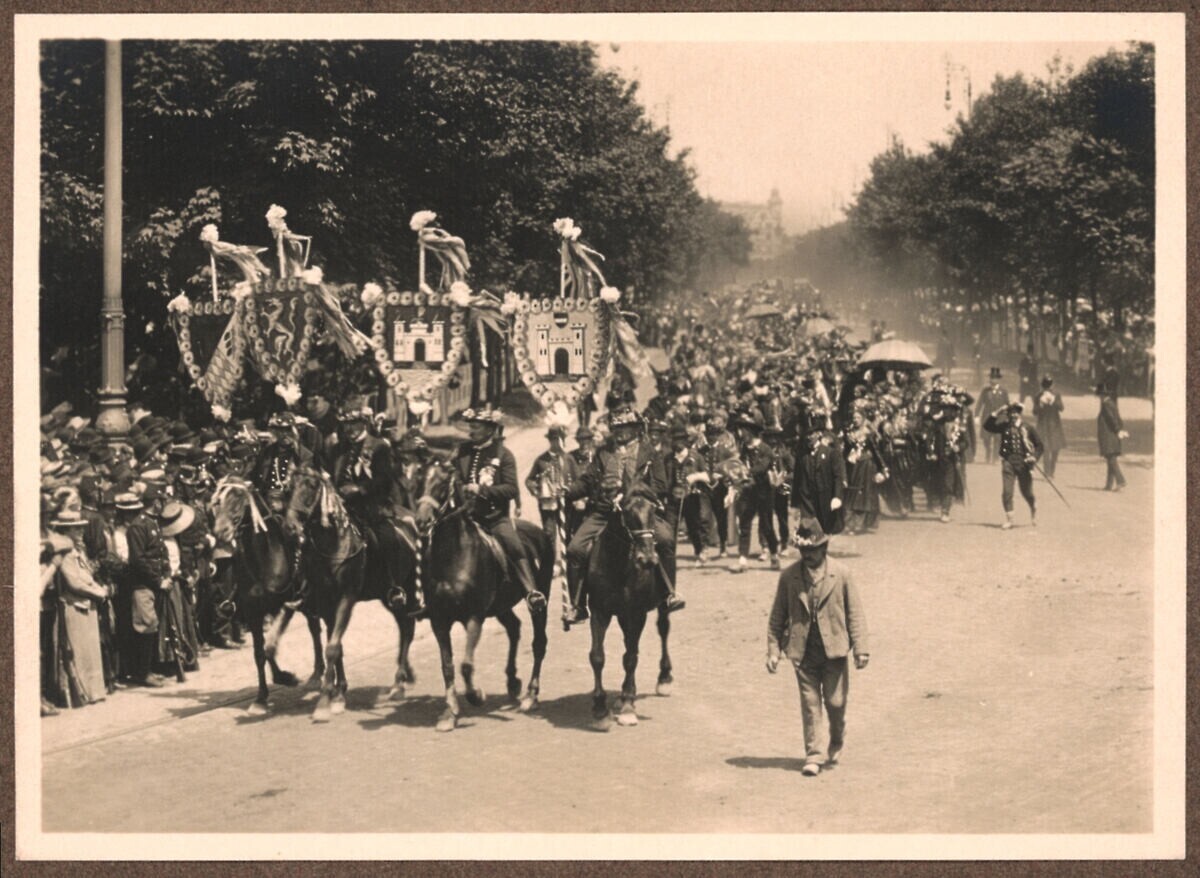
(1020, 448)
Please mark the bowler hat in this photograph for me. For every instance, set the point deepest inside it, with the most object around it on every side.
(810, 533)
(584, 433)
(1047, 381)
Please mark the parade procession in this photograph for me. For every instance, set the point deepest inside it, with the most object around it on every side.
(455, 465)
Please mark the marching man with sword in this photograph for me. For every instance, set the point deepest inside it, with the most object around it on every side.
(1020, 448)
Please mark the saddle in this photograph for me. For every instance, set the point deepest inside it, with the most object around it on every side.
(493, 546)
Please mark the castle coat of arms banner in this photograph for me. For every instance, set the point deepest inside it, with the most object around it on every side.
(561, 347)
(419, 340)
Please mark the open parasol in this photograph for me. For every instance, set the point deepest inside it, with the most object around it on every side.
(762, 310)
(895, 354)
(818, 326)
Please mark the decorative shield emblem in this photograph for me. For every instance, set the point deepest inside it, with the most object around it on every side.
(211, 347)
(561, 347)
(281, 320)
(419, 340)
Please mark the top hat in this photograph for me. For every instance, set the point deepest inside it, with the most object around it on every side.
(994, 374)
(810, 533)
(176, 518)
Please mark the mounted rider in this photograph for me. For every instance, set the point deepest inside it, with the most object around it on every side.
(365, 479)
(278, 462)
(487, 472)
(625, 466)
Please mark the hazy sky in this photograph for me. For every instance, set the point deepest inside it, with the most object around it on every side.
(808, 117)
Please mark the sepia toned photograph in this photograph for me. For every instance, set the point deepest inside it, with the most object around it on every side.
(599, 437)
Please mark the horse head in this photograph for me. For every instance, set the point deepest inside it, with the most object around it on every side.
(231, 499)
(436, 493)
(310, 489)
(637, 515)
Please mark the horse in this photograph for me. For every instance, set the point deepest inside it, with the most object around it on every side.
(262, 571)
(467, 581)
(343, 568)
(622, 580)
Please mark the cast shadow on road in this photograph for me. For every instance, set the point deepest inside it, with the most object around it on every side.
(422, 711)
(783, 763)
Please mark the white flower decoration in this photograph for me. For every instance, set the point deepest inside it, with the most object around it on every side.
(419, 406)
(275, 215)
(372, 294)
(150, 327)
(567, 228)
(313, 275)
(460, 294)
(221, 413)
(421, 219)
(242, 289)
(209, 234)
(181, 304)
(511, 303)
(290, 393)
(610, 294)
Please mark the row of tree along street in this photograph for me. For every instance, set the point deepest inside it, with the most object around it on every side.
(500, 138)
(1031, 223)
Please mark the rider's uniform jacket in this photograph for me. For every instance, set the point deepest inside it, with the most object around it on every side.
(494, 469)
(363, 476)
(635, 470)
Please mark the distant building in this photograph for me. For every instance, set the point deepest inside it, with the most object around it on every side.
(418, 341)
(765, 222)
(560, 350)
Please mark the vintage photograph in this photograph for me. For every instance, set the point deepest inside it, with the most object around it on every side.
(504, 436)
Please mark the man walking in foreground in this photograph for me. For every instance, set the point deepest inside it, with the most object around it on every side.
(817, 620)
(1020, 448)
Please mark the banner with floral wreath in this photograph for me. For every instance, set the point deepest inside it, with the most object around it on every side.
(281, 318)
(561, 346)
(419, 338)
(212, 345)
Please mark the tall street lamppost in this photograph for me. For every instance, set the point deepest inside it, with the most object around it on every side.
(112, 420)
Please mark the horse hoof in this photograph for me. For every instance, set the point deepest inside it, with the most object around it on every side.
(514, 688)
(258, 708)
(321, 715)
(396, 693)
(337, 708)
(475, 697)
(628, 718)
(602, 723)
(664, 688)
(529, 703)
(314, 681)
(447, 723)
(286, 678)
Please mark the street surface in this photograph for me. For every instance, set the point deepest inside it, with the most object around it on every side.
(1009, 690)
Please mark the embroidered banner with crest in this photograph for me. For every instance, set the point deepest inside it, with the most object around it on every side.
(419, 340)
(281, 319)
(561, 347)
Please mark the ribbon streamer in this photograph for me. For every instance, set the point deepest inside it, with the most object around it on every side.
(451, 254)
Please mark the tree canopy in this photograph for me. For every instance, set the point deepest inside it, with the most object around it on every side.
(500, 138)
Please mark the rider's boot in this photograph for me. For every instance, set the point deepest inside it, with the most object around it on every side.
(533, 597)
(576, 610)
(674, 601)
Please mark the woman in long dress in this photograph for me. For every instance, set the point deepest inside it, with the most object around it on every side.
(79, 668)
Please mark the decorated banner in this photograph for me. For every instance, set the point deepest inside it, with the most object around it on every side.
(212, 345)
(419, 340)
(281, 320)
(561, 346)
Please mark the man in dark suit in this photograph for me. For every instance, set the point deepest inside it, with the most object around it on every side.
(1110, 430)
(1020, 448)
(487, 471)
(552, 471)
(148, 572)
(991, 398)
(819, 482)
(817, 621)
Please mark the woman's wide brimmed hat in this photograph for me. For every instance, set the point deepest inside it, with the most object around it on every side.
(129, 501)
(176, 518)
(69, 517)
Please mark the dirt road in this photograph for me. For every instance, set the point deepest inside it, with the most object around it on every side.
(1009, 690)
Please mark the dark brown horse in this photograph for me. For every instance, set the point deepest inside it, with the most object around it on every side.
(261, 575)
(624, 580)
(344, 568)
(466, 581)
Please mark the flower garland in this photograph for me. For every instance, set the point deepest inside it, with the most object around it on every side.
(381, 323)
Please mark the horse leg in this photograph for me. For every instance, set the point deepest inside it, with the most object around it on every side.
(407, 627)
(632, 628)
(538, 617)
(601, 717)
(333, 653)
(260, 661)
(314, 630)
(512, 627)
(665, 680)
(474, 694)
(274, 633)
(449, 719)
(338, 704)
